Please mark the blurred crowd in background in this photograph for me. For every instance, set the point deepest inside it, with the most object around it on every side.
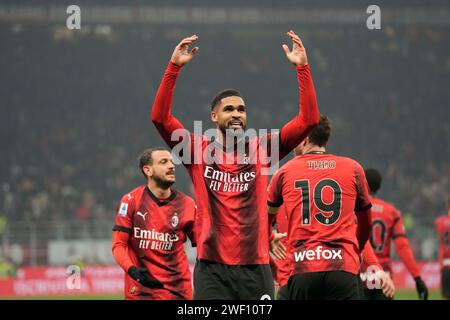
(76, 110)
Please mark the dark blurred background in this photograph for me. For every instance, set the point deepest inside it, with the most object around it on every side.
(75, 104)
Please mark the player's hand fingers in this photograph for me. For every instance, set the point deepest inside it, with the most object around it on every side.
(184, 45)
(282, 248)
(286, 49)
(194, 50)
(193, 38)
(388, 287)
(295, 37)
(390, 291)
(189, 40)
(282, 252)
(385, 288)
(279, 236)
(279, 255)
(297, 42)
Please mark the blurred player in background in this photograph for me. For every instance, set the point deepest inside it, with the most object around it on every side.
(151, 226)
(387, 224)
(233, 227)
(322, 193)
(443, 232)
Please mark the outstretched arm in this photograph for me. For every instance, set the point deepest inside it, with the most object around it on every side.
(406, 255)
(298, 128)
(162, 117)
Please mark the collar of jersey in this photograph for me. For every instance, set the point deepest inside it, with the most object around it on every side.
(227, 149)
(165, 201)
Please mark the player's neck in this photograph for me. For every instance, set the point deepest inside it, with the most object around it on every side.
(159, 192)
(313, 149)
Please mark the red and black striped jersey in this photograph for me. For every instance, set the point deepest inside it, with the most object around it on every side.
(321, 193)
(232, 219)
(157, 232)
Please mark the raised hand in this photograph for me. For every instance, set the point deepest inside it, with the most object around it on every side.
(298, 53)
(181, 55)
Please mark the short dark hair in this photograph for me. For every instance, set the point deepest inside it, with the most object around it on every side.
(320, 135)
(224, 94)
(146, 157)
(374, 179)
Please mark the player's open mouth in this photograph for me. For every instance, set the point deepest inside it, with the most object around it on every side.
(235, 125)
(171, 173)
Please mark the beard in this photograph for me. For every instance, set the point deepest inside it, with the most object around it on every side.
(163, 183)
(233, 133)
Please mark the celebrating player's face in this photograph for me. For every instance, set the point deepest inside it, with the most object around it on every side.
(162, 169)
(230, 114)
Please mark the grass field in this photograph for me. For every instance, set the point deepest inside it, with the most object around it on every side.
(400, 295)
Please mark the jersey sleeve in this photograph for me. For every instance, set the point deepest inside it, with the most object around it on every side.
(274, 192)
(120, 250)
(369, 257)
(362, 190)
(123, 226)
(125, 212)
(168, 126)
(190, 226)
(296, 130)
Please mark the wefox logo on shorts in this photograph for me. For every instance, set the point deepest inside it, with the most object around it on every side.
(318, 254)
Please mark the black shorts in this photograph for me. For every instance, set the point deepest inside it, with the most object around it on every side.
(445, 283)
(375, 294)
(216, 281)
(328, 285)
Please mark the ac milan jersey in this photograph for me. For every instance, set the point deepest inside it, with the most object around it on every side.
(158, 230)
(283, 270)
(321, 193)
(232, 224)
(443, 231)
(387, 224)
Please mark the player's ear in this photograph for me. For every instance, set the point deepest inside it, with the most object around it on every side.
(214, 116)
(305, 141)
(148, 170)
